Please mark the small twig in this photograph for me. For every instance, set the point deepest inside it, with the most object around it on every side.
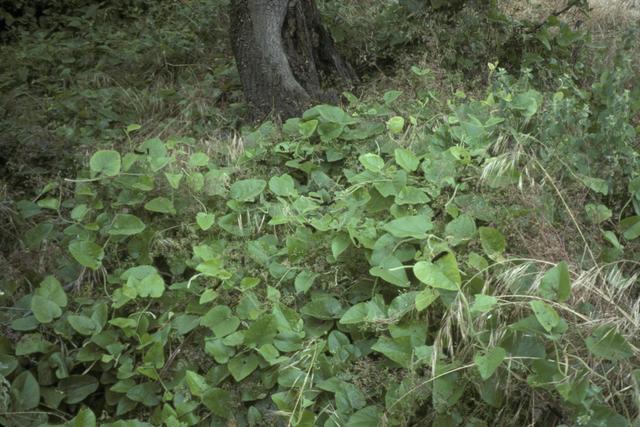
(173, 355)
(76, 283)
(567, 8)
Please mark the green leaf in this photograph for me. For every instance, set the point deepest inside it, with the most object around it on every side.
(634, 187)
(151, 286)
(546, 315)
(415, 226)
(23, 324)
(145, 393)
(433, 275)
(596, 184)
(133, 127)
(220, 320)
(339, 244)
(371, 311)
(483, 303)
(51, 289)
(528, 102)
(25, 391)
(283, 186)
(597, 213)
(449, 266)
(371, 162)
(630, 227)
(36, 235)
(610, 237)
(77, 388)
(205, 220)
(323, 307)
(606, 343)
(79, 212)
(411, 196)
(161, 205)
(105, 163)
(556, 283)
(329, 131)
(241, 367)
(218, 350)
(87, 253)
(365, 417)
(247, 190)
(448, 388)
(304, 281)
(406, 159)
(391, 270)
(329, 113)
(197, 383)
(395, 124)
(218, 401)
(391, 96)
(492, 241)
(398, 349)
(355, 314)
(174, 179)
(198, 159)
(44, 310)
(307, 128)
(49, 203)
(460, 229)
(126, 225)
(84, 418)
(82, 324)
(488, 362)
(425, 298)
(8, 364)
(30, 344)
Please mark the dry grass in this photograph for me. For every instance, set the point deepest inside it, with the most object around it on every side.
(605, 16)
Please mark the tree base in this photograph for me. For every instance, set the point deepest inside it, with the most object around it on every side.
(284, 56)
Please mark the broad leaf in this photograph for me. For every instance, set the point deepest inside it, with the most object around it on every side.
(492, 241)
(44, 309)
(25, 391)
(205, 220)
(425, 298)
(87, 253)
(82, 324)
(242, 366)
(488, 362)
(126, 225)
(406, 159)
(631, 227)
(283, 186)
(51, 289)
(220, 320)
(105, 163)
(247, 190)
(415, 226)
(161, 205)
(606, 343)
(545, 314)
(218, 401)
(365, 417)
(556, 283)
(371, 162)
(77, 388)
(432, 275)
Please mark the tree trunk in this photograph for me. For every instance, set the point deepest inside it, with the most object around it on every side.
(284, 55)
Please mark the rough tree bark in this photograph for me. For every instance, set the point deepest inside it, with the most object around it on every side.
(284, 55)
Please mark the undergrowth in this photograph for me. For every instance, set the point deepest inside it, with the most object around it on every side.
(456, 245)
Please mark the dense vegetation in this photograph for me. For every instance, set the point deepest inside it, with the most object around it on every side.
(457, 244)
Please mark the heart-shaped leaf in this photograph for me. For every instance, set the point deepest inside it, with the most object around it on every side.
(205, 220)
